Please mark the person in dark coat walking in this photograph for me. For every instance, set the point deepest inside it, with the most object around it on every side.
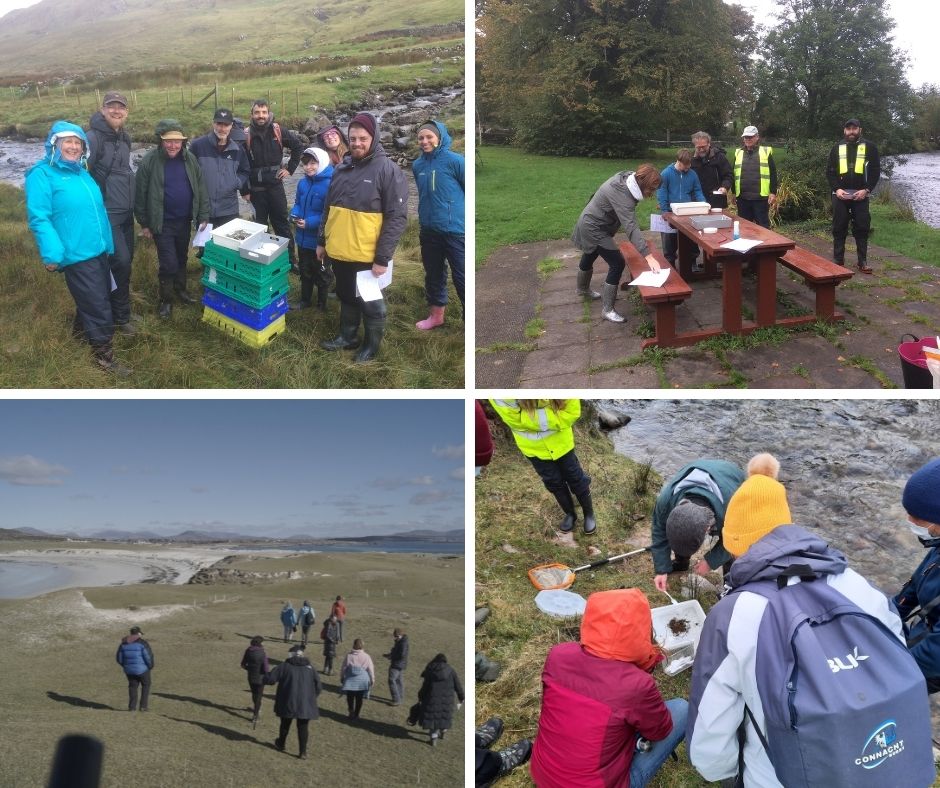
(255, 661)
(298, 687)
(437, 697)
(398, 661)
(136, 657)
(330, 636)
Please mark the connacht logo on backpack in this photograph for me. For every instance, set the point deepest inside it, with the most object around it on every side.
(844, 703)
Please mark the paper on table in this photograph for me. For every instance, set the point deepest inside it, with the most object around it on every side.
(741, 245)
(370, 287)
(660, 225)
(202, 236)
(652, 278)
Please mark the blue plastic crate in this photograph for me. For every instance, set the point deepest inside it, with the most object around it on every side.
(257, 319)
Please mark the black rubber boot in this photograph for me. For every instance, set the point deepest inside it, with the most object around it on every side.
(179, 285)
(587, 509)
(166, 297)
(348, 338)
(566, 503)
(838, 251)
(373, 316)
(104, 358)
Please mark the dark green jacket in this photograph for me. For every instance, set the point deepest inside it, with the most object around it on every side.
(727, 476)
(148, 202)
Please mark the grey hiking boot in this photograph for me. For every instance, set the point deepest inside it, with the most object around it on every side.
(489, 732)
(481, 614)
(515, 755)
(607, 311)
(584, 285)
(485, 669)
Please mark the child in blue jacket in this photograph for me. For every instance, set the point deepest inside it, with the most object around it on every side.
(306, 214)
(439, 174)
(679, 184)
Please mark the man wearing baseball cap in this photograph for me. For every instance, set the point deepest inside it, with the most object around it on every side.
(224, 165)
(755, 178)
(109, 162)
(853, 171)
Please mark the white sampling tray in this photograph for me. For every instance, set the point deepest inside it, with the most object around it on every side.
(223, 235)
(560, 604)
(263, 248)
(677, 629)
(690, 208)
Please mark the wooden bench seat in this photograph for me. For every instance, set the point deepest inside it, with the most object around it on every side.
(821, 276)
(664, 300)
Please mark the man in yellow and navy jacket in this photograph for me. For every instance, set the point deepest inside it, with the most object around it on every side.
(755, 178)
(364, 217)
(853, 172)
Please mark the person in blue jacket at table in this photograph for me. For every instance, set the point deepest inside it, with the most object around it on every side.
(306, 215)
(67, 217)
(679, 184)
(439, 175)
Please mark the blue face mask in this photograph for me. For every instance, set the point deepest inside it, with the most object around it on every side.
(919, 531)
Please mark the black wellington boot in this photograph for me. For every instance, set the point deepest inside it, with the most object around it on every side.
(373, 316)
(348, 338)
(587, 508)
(566, 503)
(166, 297)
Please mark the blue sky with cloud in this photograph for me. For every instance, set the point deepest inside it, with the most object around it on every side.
(267, 467)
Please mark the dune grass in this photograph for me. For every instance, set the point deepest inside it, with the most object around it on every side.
(58, 676)
(37, 349)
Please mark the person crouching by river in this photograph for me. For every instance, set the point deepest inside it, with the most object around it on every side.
(171, 195)
(69, 222)
(918, 602)
(613, 206)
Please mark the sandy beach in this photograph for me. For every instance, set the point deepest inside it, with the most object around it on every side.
(60, 568)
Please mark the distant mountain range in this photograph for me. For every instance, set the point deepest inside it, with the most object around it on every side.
(203, 537)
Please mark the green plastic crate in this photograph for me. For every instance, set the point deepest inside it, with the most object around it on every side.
(232, 262)
(251, 293)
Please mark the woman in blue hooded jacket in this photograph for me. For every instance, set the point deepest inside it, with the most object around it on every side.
(306, 215)
(439, 174)
(68, 219)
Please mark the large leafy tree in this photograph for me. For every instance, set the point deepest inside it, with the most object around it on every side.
(829, 60)
(599, 77)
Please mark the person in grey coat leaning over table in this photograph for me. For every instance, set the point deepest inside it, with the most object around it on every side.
(613, 206)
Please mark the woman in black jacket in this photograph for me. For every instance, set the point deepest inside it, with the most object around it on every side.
(437, 697)
(255, 661)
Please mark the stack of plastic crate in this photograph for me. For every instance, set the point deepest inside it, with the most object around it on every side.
(246, 282)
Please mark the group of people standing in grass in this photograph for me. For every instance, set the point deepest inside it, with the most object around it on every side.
(350, 210)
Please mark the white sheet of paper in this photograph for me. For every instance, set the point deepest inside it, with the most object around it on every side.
(660, 225)
(370, 287)
(741, 245)
(113, 283)
(652, 278)
(202, 236)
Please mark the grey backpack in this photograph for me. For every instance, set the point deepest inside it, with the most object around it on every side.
(844, 702)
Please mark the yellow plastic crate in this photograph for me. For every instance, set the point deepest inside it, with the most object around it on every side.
(245, 333)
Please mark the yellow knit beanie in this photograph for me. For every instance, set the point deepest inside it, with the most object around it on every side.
(758, 506)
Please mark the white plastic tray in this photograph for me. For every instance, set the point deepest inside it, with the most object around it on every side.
(690, 208)
(679, 648)
(221, 235)
(263, 248)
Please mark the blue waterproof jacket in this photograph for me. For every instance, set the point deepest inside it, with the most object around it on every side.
(308, 205)
(678, 187)
(64, 206)
(439, 176)
(288, 617)
(923, 631)
(134, 655)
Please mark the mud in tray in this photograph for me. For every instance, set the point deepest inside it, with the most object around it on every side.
(249, 270)
(249, 293)
(258, 319)
(677, 629)
(247, 335)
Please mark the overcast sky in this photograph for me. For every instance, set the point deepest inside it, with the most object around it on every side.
(269, 467)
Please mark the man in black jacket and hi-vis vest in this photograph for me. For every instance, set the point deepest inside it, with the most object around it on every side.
(364, 217)
(853, 172)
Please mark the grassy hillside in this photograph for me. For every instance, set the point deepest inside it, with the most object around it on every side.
(58, 675)
(72, 36)
(37, 349)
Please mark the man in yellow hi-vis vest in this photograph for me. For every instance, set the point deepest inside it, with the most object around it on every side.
(853, 172)
(755, 178)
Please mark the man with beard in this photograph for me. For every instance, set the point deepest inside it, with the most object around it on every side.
(364, 217)
(853, 172)
(266, 141)
(109, 162)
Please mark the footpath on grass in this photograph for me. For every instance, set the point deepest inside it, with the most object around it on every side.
(532, 331)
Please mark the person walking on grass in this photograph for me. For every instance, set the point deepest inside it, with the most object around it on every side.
(68, 220)
(542, 431)
(439, 175)
(398, 661)
(288, 621)
(436, 696)
(338, 612)
(255, 662)
(298, 687)
(136, 657)
(306, 619)
(329, 636)
(358, 677)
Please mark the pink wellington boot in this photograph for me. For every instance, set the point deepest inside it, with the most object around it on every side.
(435, 319)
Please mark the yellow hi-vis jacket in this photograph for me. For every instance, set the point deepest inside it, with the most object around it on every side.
(859, 159)
(764, 153)
(544, 433)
